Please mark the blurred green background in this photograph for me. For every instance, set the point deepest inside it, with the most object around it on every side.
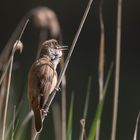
(84, 60)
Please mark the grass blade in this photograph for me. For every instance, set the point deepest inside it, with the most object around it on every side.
(83, 120)
(99, 108)
(87, 98)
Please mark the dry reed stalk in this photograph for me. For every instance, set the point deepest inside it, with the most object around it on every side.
(7, 99)
(83, 123)
(67, 60)
(63, 95)
(101, 63)
(13, 51)
(2, 98)
(27, 118)
(117, 70)
(18, 45)
(5, 61)
(4, 56)
(38, 15)
(69, 55)
(63, 102)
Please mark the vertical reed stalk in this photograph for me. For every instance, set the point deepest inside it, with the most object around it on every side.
(2, 98)
(17, 45)
(7, 98)
(117, 70)
(13, 51)
(63, 101)
(82, 122)
(101, 63)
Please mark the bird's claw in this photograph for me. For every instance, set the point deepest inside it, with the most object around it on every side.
(45, 112)
(58, 89)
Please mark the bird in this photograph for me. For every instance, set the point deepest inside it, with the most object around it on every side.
(42, 78)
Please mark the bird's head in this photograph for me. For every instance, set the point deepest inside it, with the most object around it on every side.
(52, 49)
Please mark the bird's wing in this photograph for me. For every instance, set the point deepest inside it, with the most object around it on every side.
(33, 90)
(45, 76)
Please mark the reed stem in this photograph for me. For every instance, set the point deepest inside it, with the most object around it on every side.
(117, 71)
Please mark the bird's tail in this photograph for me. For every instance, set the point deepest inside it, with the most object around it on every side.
(38, 120)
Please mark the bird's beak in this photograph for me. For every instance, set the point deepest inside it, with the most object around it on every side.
(62, 48)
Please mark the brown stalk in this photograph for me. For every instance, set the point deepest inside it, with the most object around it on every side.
(101, 63)
(67, 60)
(13, 51)
(38, 20)
(2, 98)
(63, 102)
(82, 122)
(15, 47)
(117, 70)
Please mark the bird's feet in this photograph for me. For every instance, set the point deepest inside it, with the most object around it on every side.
(57, 89)
(44, 112)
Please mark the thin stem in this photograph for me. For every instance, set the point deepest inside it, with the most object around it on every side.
(13, 51)
(35, 137)
(69, 54)
(82, 122)
(9, 79)
(68, 58)
(101, 62)
(87, 98)
(64, 109)
(7, 98)
(27, 118)
(74, 43)
(63, 101)
(7, 49)
(136, 128)
(117, 70)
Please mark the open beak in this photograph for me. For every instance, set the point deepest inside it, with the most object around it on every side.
(62, 48)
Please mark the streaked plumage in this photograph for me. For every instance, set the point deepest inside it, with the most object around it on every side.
(42, 79)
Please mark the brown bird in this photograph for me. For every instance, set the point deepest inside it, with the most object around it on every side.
(42, 78)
